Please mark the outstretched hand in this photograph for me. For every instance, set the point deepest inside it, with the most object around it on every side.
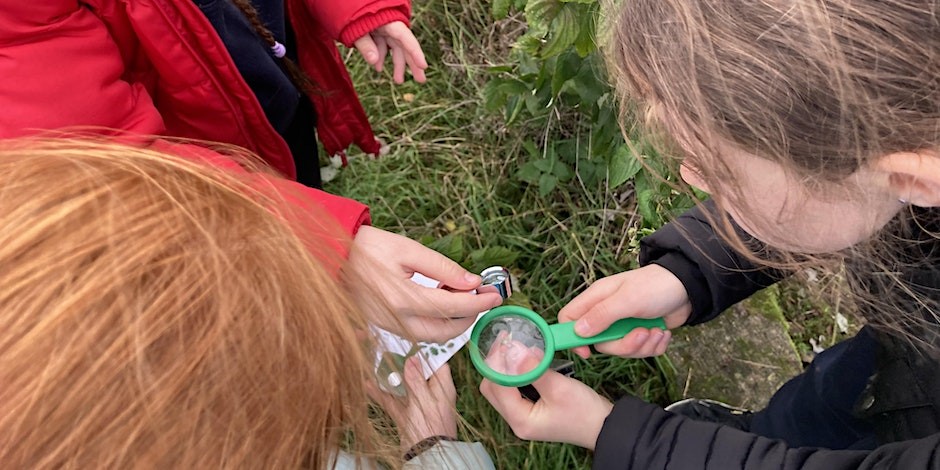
(382, 264)
(648, 292)
(396, 39)
(567, 410)
(428, 409)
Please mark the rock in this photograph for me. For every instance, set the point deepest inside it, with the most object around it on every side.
(740, 358)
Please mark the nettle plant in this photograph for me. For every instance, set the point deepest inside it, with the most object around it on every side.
(556, 83)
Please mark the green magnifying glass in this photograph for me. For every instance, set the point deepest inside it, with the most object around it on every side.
(513, 346)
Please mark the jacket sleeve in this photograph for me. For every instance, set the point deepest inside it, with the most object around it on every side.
(348, 20)
(714, 276)
(637, 434)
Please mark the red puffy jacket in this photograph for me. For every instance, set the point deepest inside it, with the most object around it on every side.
(158, 67)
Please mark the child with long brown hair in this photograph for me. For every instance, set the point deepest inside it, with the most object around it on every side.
(815, 127)
(160, 307)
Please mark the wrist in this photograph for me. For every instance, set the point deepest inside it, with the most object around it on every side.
(595, 422)
(413, 437)
(367, 23)
(425, 444)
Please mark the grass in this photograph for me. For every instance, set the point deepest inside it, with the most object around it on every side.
(449, 181)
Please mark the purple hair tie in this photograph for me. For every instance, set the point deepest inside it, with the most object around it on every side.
(279, 50)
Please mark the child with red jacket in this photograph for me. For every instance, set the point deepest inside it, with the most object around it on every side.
(161, 67)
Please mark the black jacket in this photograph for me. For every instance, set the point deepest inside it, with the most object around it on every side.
(903, 400)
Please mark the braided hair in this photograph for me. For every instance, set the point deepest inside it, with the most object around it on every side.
(294, 72)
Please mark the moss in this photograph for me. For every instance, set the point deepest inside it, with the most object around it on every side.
(767, 303)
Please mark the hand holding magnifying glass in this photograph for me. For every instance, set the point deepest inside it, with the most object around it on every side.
(513, 346)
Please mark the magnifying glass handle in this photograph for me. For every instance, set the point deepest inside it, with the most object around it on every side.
(566, 338)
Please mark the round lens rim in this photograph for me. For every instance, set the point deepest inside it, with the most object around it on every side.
(511, 380)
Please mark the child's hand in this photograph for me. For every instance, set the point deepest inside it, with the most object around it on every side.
(568, 411)
(382, 264)
(429, 408)
(405, 50)
(647, 292)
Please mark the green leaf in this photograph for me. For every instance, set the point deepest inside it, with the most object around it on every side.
(566, 67)
(498, 91)
(588, 84)
(540, 13)
(623, 166)
(547, 184)
(543, 80)
(493, 255)
(514, 105)
(528, 44)
(562, 32)
(562, 171)
(644, 201)
(450, 246)
(529, 173)
(587, 171)
(531, 149)
(493, 96)
(586, 42)
(544, 165)
(538, 101)
(496, 69)
(501, 8)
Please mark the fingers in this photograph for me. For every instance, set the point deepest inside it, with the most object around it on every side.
(520, 413)
(406, 51)
(583, 352)
(508, 402)
(581, 304)
(600, 316)
(409, 43)
(369, 50)
(641, 342)
(382, 45)
(398, 64)
(415, 383)
(437, 266)
(443, 381)
(441, 303)
(596, 308)
(416, 72)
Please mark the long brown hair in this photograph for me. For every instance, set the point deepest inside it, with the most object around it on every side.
(159, 313)
(821, 87)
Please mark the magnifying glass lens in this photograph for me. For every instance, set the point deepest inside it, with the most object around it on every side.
(513, 345)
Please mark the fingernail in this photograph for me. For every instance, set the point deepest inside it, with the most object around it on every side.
(662, 336)
(372, 56)
(582, 328)
(642, 336)
(472, 278)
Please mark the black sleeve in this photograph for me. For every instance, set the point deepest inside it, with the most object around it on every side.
(637, 434)
(714, 276)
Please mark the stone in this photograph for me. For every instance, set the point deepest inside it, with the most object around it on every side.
(740, 358)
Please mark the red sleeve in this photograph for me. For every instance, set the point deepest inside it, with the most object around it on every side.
(319, 218)
(348, 20)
